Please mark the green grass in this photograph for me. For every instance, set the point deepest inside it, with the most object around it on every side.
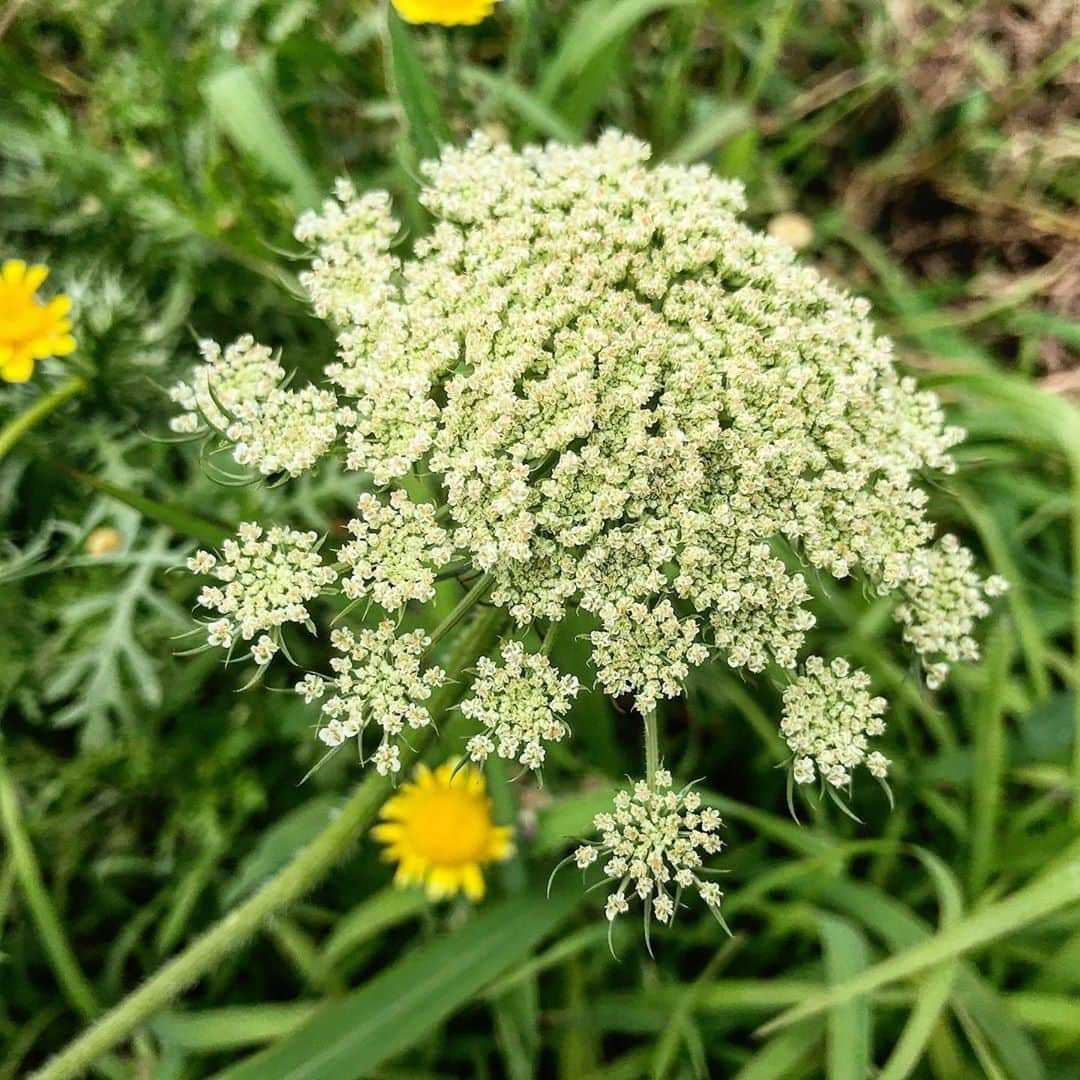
(155, 155)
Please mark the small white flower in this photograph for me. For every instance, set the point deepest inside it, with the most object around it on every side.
(616, 905)
(262, 652)
(387, 760)
(585, 856)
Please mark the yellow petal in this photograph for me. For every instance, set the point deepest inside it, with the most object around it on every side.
(13, 272)
(35, 275)
(388, 833)
(473, 881)
(58, 306)
(19, 368)
(63, 345)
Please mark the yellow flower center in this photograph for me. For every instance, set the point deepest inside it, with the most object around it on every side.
(449, 827)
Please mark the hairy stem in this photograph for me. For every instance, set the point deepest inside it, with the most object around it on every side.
(69, 975)
(307, 868)
(12, 432)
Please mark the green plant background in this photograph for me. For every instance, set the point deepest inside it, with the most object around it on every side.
(155, 155)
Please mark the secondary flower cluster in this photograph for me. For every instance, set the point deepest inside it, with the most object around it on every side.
(519, 705)
(653, 843)
(829, 716)
(944, 598)
(238, 393)
(379, 677)
(267, 579)
(395, 551)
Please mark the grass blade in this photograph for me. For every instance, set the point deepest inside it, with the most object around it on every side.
(427, 128)
(239, 101)
(352, 1037)
(176, 518)
(848, 1031)
(1048, 894)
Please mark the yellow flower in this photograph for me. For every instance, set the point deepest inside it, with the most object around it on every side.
(439, 831)
(445, 12)
(29, 329)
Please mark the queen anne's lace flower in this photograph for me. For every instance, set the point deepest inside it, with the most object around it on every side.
(652, 846)
(520, 705)
(379, 678)
(829, 718)
(267, 579)
(633, 402)
(627, 402)
(395, 551)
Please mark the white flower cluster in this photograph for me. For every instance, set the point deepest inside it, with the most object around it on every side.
(238, 393)
(944, 598)
(829, 716)
(395, 551)
(244, 371)
(634, 403)
(653, 843)
(645, 652)
(520, 705)
(267, 580)
(379, 677)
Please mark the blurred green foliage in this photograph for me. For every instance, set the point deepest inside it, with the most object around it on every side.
(155, 155)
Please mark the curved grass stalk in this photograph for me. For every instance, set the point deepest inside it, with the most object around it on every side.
(13, 431)
(287, 886)
(69, 975)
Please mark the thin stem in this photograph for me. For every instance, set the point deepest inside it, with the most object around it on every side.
(465, 605)
(307, 868)
(73, 982)
(548, 641)
(1074, 468)
(12, 432)
(652, 747)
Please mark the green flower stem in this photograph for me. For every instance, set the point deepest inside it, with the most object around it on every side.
(12, 432)
(288, 885)
(73, 982)
(652, 746)
(465, 605)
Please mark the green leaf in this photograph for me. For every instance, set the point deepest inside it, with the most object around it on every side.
(239, 101)
(279, 844)
(596, 27)
(427, 128)
(900, 928)
(395, 1010)
(848, 1043)
(232, 1027)
(389, 907)
(181, 521)
(1048, 894)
